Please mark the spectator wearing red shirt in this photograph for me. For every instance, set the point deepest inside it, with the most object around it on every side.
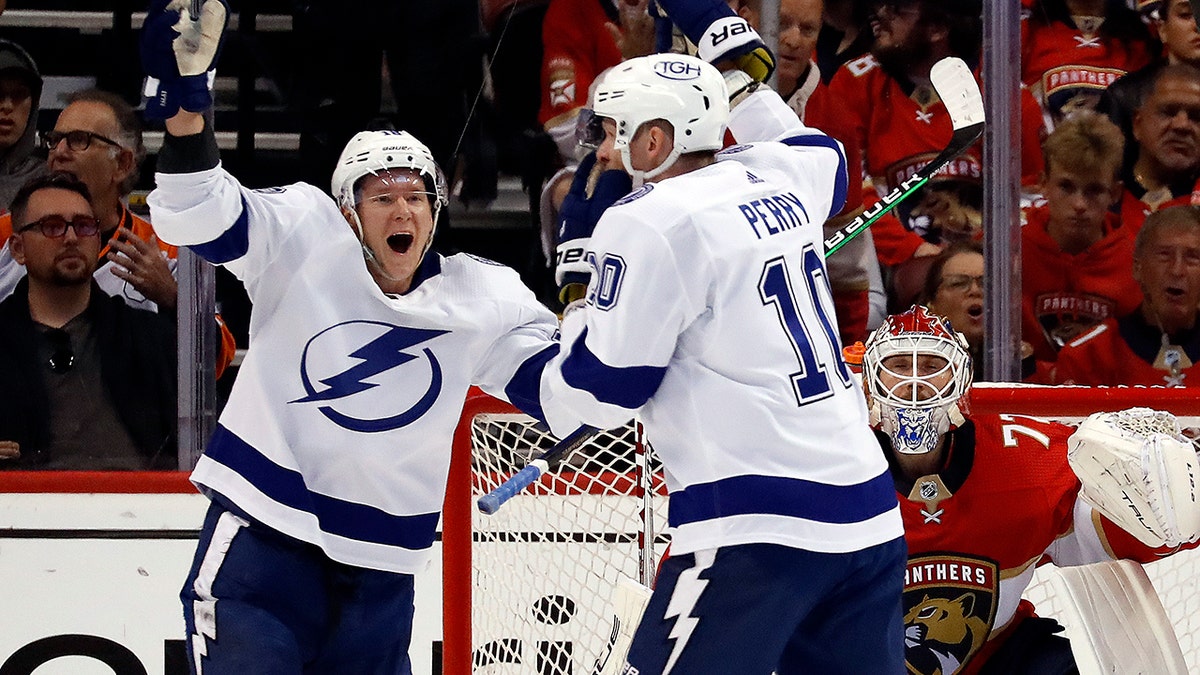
(1159, 343)
(1075, 257)
(1072, 50)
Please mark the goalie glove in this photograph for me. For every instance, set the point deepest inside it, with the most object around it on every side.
(179, 53)
(721, 35)
(581, 210)
(1139, 471)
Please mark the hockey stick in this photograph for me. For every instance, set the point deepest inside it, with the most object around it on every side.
(956, 86)
(492, 501)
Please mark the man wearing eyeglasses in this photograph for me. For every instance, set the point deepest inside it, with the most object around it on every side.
(96, 378)
(97, 138)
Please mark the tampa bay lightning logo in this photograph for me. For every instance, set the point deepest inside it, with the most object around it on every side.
(350, 360)
(636, 194)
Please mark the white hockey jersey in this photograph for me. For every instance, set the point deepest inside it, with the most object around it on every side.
(339, 426)
(709, 314)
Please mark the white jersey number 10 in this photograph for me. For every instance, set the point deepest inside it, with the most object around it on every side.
(775, 287)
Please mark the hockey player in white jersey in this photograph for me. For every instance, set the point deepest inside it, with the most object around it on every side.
(709, 316)
(328, 466)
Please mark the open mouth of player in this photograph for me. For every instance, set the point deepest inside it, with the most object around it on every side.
(400, 242)
(975, 311)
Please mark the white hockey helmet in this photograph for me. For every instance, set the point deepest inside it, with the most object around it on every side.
(373, 152)
(915, 409)
(683, 90)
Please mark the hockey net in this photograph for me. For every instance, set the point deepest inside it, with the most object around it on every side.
(528, 589)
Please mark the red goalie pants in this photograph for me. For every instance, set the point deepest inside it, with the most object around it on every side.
(755, 609)
(257, 601)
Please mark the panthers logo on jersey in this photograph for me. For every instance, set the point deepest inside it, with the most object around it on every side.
(371, 376)
(949, 608)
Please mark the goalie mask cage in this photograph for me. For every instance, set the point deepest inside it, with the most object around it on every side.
(528, 590)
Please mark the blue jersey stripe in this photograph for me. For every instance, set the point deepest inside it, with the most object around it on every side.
(524, 389)
(338, 517)
(841, 182)
(231, 245)
(774, 495)
(629, 387)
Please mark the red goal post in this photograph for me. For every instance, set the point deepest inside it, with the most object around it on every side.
(470, 580)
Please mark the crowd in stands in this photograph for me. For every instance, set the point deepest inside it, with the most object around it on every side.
(1109, 149)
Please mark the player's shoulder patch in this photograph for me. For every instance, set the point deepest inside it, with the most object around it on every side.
(270, 190)
(1098, 330)
(734, 149)
(862, 65)
(636, 194)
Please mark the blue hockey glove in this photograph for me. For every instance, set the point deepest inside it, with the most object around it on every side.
(179, 52)
(721, 35)
(577, 218)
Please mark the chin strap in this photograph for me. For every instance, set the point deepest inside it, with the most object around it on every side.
(640, 177)
(368, 254)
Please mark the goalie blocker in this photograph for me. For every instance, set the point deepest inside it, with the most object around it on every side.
(1138, 470)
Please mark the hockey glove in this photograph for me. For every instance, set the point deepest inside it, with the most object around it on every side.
(581, 209)
(721, 35)
(179, 52)
(1138, 470)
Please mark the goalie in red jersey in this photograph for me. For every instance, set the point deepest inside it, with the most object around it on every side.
(985, 499)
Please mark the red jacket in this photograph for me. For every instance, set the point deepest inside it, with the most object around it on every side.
(880, 120)
(1123, 351)
(1063, 294)
(1067, 69)
(576, 47)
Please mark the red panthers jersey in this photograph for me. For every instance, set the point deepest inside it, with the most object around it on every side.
(1005, 501)
(1068, 67)
(1135, 208)
(1129, 351)
(896, 128)
(1064, 295)
(576, 47)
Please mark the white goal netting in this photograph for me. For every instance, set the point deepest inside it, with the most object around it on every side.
(543, 569)
(545, 566)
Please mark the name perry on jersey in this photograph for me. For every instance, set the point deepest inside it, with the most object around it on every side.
(774, 214)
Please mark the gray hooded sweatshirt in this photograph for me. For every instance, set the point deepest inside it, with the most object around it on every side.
(17, 163)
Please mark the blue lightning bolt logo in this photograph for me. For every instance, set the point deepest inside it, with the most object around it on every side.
(377, 356)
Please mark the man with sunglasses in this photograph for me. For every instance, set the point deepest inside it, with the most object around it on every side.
(96, 378)
(98, 139)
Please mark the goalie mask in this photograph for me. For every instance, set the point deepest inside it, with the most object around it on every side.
(682, 90)
(917, 373)
(374, 153)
